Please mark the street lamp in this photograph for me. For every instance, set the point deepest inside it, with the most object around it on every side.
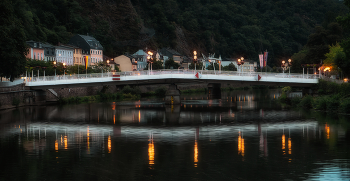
(38, 67)
(195, 60)
(107, 68)
(64, 70)
(289, 65)
(150, 58)
(240, 63)
(54, 66)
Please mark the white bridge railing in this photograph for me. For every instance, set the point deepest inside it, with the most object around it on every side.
(161, 74)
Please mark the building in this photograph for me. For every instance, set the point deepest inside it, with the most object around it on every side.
(170, 53)
(141, 59)
(36, 51)
(64, 54)
(49, 52)
(89, 47)
(125, 64)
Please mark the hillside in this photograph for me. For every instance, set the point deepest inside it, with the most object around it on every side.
(228, 27)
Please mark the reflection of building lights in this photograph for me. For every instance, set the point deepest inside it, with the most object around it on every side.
(113, 118)
(139, 116)
(88, 139)
(65, 142)
(289, 146)
(151, 152)
(195, 153)
(283, 144)
(56, 145)
(109, 144)
(327, 128)
(240, 145)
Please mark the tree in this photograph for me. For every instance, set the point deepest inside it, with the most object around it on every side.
(211, 67)
(229, 67)
(199, 66)
(171, 64)
(13, 48)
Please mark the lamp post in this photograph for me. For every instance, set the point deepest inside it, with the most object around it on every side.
(54, 66)
(283, 66)
(38, 67)
(44, 71)
(149, 62)
(239, 65)
(289, 65)
(150, 58)
(64, 70)
(107, 68)
(195, 60)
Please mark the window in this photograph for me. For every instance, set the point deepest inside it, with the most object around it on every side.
(41, 56)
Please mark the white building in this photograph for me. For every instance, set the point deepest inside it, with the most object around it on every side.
(64, 54)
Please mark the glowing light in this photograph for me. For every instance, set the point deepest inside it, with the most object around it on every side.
(109, 144)
(114, 119)
(327, 68)
(151, 152)
(139, 116)
(283, 143)
(56, 145)
(240, 145)
(289, 146)
(65, 142)
(195, 153)
(88, 139)
(328, 130)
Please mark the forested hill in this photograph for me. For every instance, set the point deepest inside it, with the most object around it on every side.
(231, 28)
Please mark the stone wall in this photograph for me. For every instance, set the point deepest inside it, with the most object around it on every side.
(78, 92)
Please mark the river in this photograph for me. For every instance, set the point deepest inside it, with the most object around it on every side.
(245, 135)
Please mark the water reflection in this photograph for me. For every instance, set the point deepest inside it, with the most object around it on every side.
(190, 138)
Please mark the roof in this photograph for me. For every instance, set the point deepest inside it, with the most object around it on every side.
(169, 52)
(64, 47)
(85, 42)
(31, 44)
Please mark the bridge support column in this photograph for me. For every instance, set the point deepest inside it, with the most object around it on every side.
(214, 91)
(172, 95)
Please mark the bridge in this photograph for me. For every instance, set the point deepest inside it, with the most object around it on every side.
(171, 77)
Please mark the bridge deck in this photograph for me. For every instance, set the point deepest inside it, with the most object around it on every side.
(171, 76)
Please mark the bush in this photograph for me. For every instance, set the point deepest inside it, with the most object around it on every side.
(306, 102)
(283, 98)
(286, 89)
(344, 106)
(160, 92)
(127, 89)
(295, 101)
(332, 105)
(320, 103)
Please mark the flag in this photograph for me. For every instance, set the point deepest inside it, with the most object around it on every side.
(265, 58)
(86, 58)
(261, 58)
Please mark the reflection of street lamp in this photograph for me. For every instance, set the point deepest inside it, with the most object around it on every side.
(195, 60)
(149, 62)
(64, 70)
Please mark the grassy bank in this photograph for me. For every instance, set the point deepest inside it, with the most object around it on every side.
(330, 97)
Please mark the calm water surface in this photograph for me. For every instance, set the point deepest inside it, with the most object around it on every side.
(245, 135)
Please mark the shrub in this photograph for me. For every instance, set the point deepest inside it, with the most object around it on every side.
(160, 92)
(306, 102)
(320, 103)
(283, 98)
(332, 105)
(295, 101)
(127, 89)
(286, 89)
(344, 106)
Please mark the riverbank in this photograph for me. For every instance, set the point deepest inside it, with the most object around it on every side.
(330, 97)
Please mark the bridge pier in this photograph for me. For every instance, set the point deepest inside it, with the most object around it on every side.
(214, 91)
(172, 95)
(40, 96)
